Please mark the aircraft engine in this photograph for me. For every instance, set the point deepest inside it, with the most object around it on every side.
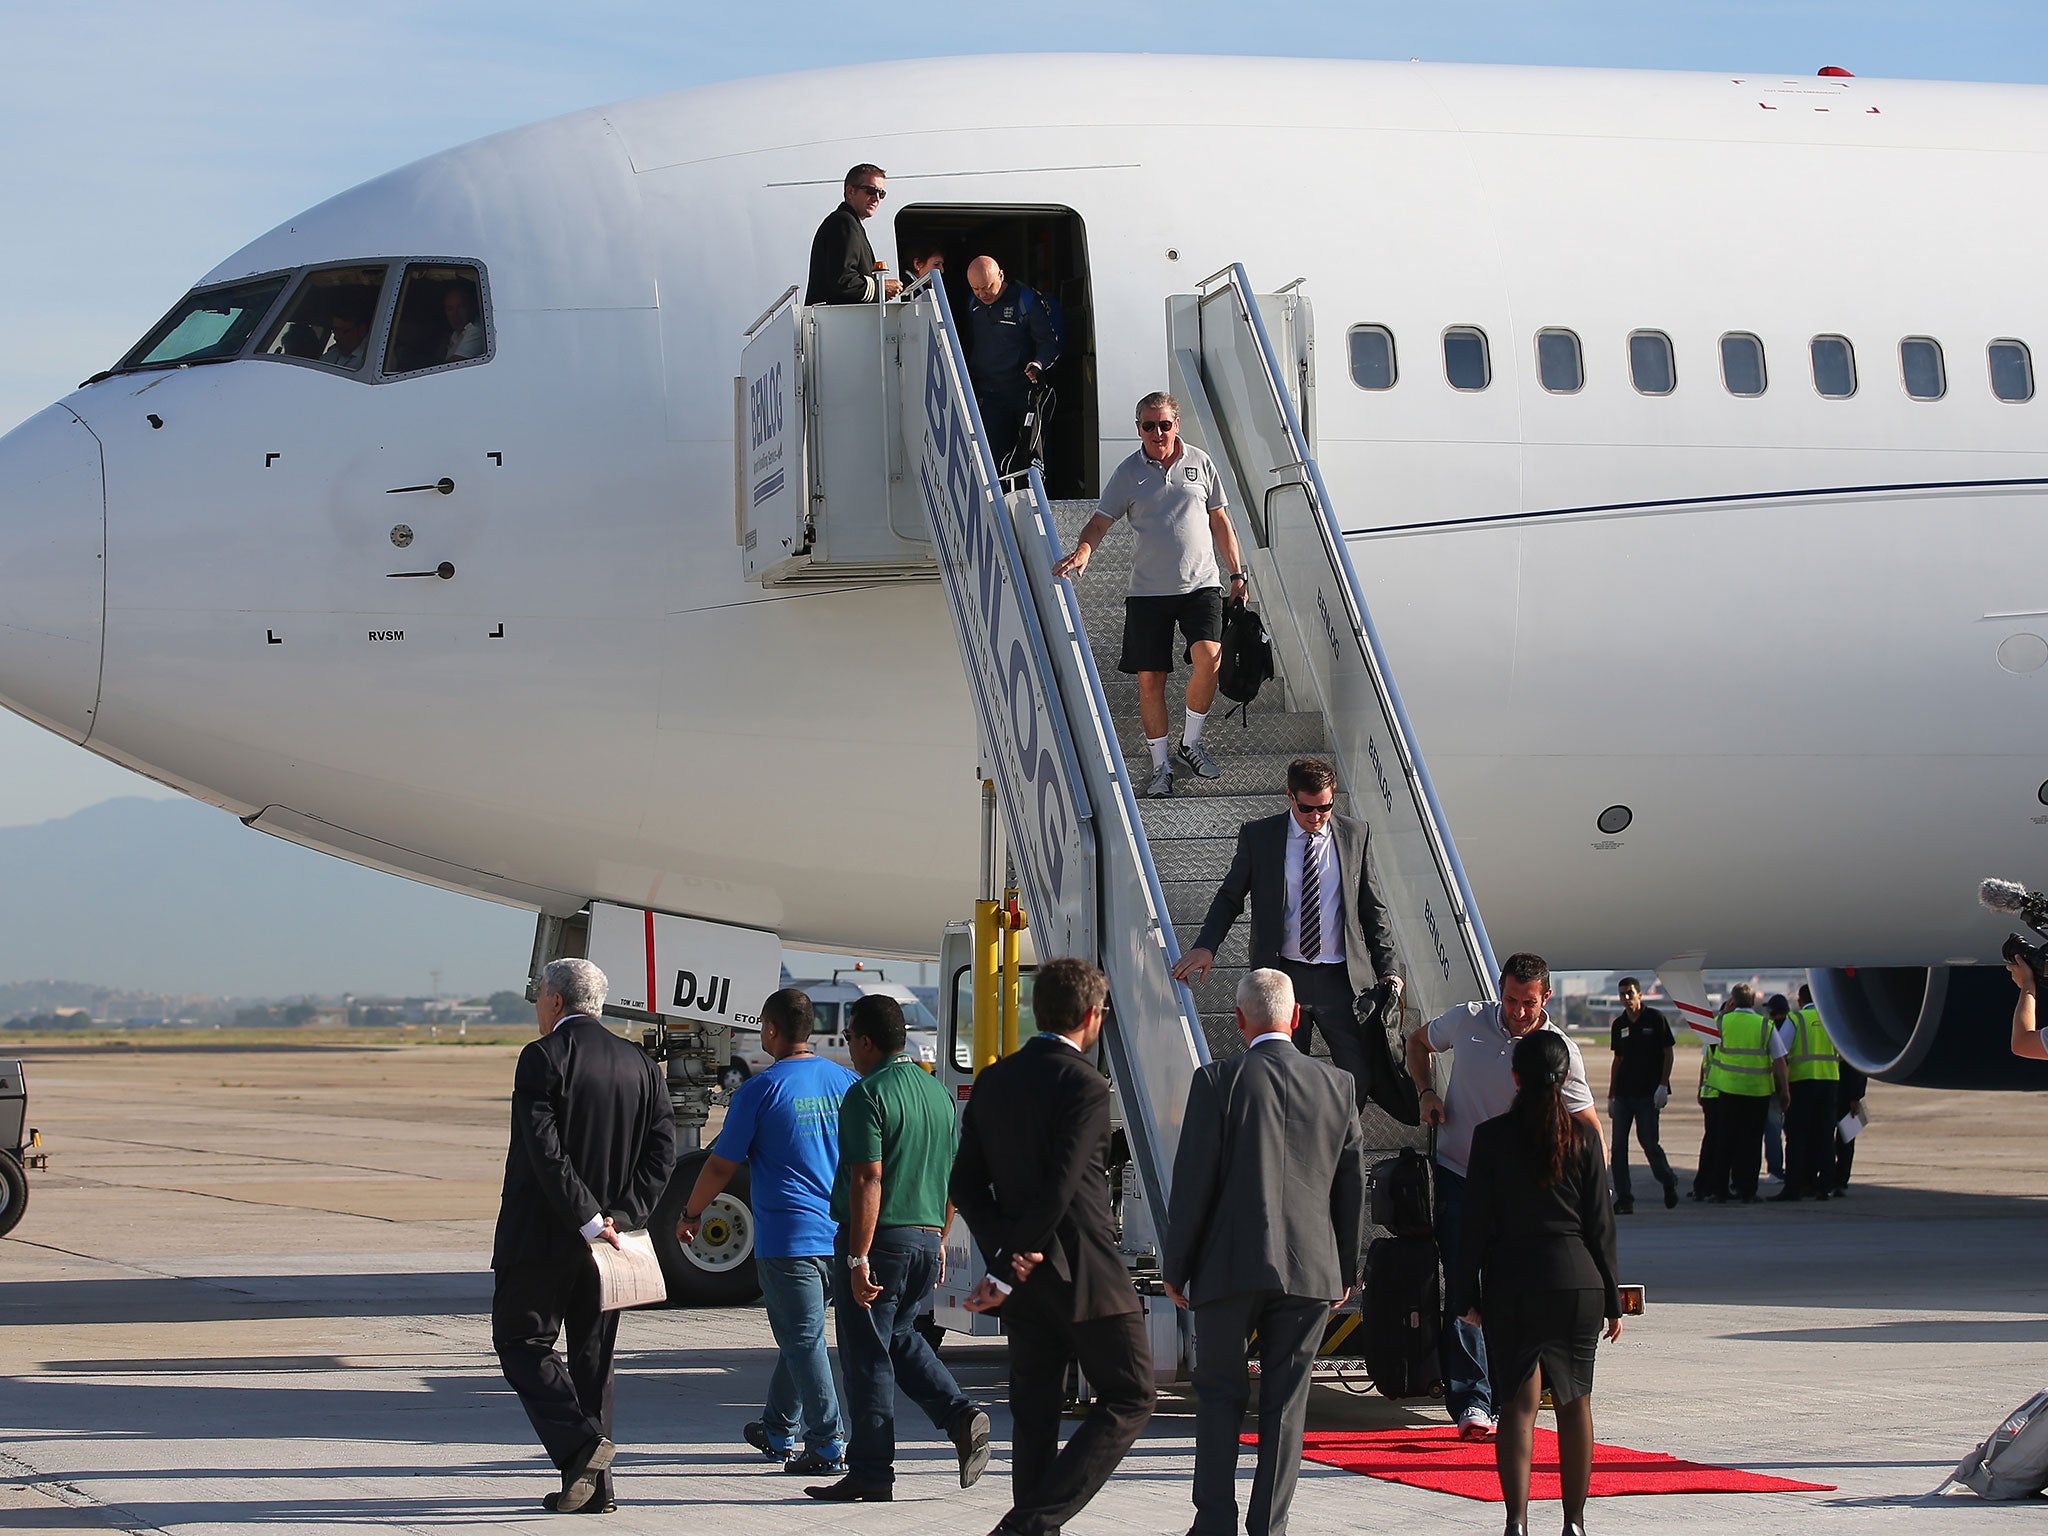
(1944, 1026)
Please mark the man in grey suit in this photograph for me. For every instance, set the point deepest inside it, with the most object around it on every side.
(1263, 1233)
(1316, 915)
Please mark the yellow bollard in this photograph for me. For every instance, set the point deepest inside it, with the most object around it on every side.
(1013, 923)
(987, 982)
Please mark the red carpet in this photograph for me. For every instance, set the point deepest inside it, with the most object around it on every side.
(1435, 1458)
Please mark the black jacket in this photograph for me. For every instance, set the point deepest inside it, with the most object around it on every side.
(842, 262)
(592, 1134)
(1259, 871)
(1517, 1236)
(1032, 1176)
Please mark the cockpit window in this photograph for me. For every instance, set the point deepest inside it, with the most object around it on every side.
(209, 325)
(441, 319)
(329, 318)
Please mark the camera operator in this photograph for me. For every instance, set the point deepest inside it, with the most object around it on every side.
(2026, 1034)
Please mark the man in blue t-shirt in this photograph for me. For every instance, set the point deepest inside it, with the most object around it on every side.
(784, 1124)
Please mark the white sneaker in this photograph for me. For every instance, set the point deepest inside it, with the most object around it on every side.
(1475, 1424)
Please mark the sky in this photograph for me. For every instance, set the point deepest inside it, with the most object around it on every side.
(140, 143)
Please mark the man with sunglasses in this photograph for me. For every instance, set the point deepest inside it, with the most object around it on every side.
(1172, 495)
(842, 261)
(1317, 915)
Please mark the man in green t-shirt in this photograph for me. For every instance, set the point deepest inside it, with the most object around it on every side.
(896, 1136)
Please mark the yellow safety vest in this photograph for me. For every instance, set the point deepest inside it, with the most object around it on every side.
(1742, 1061)
(1813, 1058)
(1707, 1089)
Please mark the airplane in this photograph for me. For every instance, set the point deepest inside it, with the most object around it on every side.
(1684, 428)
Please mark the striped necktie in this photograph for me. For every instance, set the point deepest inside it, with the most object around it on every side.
(1311, 902)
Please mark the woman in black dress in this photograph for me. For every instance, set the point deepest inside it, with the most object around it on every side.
(1535, 1269)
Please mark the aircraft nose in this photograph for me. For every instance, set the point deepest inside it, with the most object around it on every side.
(53, 517)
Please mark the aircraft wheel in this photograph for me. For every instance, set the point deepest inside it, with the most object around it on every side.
(13, 1192)
(717, 1270)
(733, 1074)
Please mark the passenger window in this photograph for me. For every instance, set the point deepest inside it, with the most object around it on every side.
(1834, 367)
(1466, 364)
(824, 1018)
(209, 325)
(2012, 371)
(329, 318)
(1560, 366)
(1742, 364)
(1372, 357)
(440, 318)
(1651, 367)
(1920, 366)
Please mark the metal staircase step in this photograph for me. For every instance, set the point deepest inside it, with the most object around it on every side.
(1196, 859)
(1206, 815)
(1244, 775)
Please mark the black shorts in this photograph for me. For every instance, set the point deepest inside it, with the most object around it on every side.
(1149, 622)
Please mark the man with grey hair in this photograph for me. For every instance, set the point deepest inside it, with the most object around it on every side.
(593, 1144)
(1263, 1235)
(1173, 497)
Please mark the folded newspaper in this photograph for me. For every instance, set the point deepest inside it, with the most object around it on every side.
(628, 1275)
(1851, 1125)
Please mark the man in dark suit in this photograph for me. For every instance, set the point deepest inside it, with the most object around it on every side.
(593, 1143)
(842, 261)
(1032, 1179)
(1262, 1235)
(1316, 915)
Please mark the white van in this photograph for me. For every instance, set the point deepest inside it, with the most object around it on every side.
(830, 1001)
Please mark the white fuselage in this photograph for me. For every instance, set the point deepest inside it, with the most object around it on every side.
(1779, 646)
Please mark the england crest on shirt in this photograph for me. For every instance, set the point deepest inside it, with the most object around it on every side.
(1192, 473)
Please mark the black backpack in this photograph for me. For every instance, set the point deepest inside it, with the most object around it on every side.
(1247, 657)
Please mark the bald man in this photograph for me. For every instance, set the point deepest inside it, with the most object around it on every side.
(1011, 343)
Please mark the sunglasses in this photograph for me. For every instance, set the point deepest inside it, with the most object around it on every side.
(878, 193)
(1157, 426)
(1308, 809)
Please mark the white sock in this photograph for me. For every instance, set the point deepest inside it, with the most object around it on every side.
(1191, 733)
(1158, 746)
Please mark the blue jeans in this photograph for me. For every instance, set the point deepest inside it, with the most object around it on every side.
(1639, 1112)
(1461, 1351)
(1774, 1139)
(880, 1350)
(800, 1394)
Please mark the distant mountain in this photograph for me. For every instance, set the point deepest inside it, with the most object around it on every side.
(174, 896)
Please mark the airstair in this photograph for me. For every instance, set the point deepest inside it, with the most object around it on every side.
(899, 482)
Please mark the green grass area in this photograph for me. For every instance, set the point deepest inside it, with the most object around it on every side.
(229, 1037)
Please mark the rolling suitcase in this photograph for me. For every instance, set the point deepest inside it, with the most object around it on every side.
(1402, 1311)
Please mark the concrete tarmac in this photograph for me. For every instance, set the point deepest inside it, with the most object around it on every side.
(251, 1291)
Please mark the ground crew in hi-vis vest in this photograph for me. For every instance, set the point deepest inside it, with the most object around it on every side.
(1813, 1068)
(1747, 1069)
(1710, 1127)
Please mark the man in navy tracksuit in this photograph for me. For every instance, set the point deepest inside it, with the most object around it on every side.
(1012, 340)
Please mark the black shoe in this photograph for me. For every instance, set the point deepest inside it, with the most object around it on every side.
(847, 1491)
(601, 1502)
(811, 1464)
(1820, 1194)
(1624, 1207)
(969, 1434)
(1671, 1196)
(583, 1476)
(757, 1437)
(1786, 1195)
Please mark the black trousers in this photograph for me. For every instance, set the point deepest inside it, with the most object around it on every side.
(1738, 1145)
(1810, 1138)
(1289, 1328)
(1051, 1483)
(1329, 1004)
(569, 1402)
(1710, 1177)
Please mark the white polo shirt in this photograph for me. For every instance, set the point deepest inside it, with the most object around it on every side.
(1482, 1084)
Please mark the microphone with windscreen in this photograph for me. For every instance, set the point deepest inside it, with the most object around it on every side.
(2031, 907)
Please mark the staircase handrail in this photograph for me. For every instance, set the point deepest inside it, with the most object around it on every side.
(1435, 825)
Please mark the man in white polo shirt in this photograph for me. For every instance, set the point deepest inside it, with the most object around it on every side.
(1173, 497)
(1481, 1038)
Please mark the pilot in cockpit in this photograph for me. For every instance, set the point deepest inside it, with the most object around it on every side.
(348, 326)
(465, 331)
